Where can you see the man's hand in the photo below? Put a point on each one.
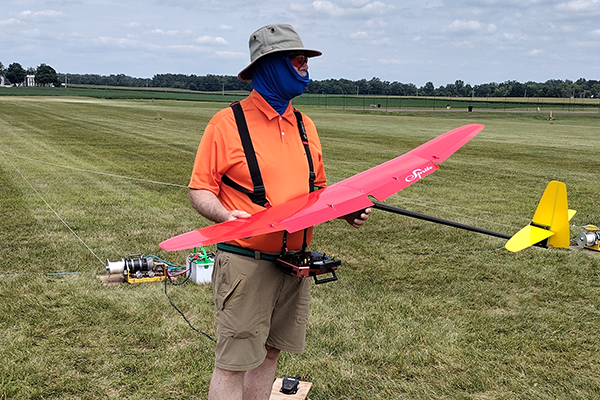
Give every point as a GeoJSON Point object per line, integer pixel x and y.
{"type": "Point", "coordinates": [235, 214]}
{"type": "Point", "coordinates": [209, 206]}
{"type": "Point", "coordinates": [358, 218]}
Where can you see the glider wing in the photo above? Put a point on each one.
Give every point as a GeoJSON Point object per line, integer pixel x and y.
{"type": "Point", "coordinates": [339, 199]}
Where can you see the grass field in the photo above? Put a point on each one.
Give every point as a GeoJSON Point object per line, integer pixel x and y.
{"type": "Point", "coordinates": [421, 311]}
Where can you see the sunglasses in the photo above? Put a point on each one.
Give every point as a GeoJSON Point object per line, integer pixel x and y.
{"type": "Point", "coordinates": [298, 60]}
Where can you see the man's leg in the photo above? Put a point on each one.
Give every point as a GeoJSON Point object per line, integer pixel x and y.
{"type": "Point", "coordinates": [259, 381]}
{"type": "Point", "coordinates": [255, 384]}
{"type": "Point", "coordinates": [226, 384]}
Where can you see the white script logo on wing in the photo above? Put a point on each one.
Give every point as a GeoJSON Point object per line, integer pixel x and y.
{"type": "Point", "coordinates": [417, 174]}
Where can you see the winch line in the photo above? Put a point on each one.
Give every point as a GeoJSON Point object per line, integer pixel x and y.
{"type": "Point", "coordinates": [94, 172]}
{"type": "Point", "coordinates": [427, 204]}
{"type": "Point", "coordinates": [55, 213]}
{"type": "Point", "coordinates": [436, 206]}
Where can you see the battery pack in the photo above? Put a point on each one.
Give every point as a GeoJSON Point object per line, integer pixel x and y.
{"type": "Point", "coordinates": [200, 268]}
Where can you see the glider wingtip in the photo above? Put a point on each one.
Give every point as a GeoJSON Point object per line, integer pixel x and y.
{"type": "Point", "coordinates": [168, 246]}
{"type": "Point", "coordinates": [477, 128]}
{"type": "Point", "coordinates": [187, 240]}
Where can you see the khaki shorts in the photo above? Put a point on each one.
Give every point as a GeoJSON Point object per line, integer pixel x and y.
{"type": "Point", "coordinates": [256, 305]}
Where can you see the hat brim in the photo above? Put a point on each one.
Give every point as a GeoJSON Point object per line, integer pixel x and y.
{"type": "Point", "coordinates": [246, 73]}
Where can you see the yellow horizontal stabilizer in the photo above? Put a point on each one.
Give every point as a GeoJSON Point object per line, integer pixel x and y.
{"type": "Point", "coordinates": [572, 214]}
{"type": "Point", "coordinates": [527, 237]}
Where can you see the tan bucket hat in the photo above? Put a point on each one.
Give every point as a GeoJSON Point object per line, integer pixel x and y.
{"type": "Point", "coordinates": [271, 39]}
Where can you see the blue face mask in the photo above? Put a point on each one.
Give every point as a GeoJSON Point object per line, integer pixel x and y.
{"type": "Point", "coordinates": [276, 79]}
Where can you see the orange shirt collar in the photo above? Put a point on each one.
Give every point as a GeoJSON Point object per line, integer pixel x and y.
{"type": "Point", "coordinates": [261, 104]}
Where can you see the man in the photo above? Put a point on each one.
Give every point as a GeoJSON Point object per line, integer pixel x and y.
{"type": "Point", "coordinates": [260, 310]}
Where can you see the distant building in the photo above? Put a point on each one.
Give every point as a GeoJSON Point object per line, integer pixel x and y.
{"type": "Point", "coordinates": [30, 80]}
{"type": "Point", "coordinates": [4, 81]}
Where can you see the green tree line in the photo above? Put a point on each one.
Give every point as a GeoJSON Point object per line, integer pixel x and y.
{"type": "Point", "coordinates": [44, 74]}
{"type": "Point", "coordinates": [581, 88]}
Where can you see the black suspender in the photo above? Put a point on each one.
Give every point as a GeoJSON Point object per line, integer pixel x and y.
{"type": "Point", "coordinates": [258, 194]}
{"type": "Point", "coordinates": [304, 137]}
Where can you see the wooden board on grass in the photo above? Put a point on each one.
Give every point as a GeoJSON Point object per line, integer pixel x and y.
{"type": "Point", "coordinates": [302, 394]}
{"type": "Point", "coordinates": [111, 280]}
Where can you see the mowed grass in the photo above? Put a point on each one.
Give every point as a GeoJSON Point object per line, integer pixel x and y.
{"type": "Point", "coordinates": [421, 311]}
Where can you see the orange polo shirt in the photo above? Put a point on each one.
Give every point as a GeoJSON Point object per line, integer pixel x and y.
{"type": "Point", "coordinates": [281, 159]}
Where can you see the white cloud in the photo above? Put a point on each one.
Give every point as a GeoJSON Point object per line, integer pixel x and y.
{"type": "Point", "coordinates": [379, 23]}
{"type": "Point", "coordinates": [359, 35]}
{"type": "Point", "coordinates": [118, 42]}
{"type": "Point", "coordinates": [231, 55]}
{"type": "Point", "coordinates": [167, 33]}
{"type": "Point", "coordinates": [211, 40]}
{"type": "Point", "coordinates": [381, 41]}
{"type": "Point", "coordinates": [373, 38]}
{"type": "Point", "coordinates": [513, 37]}
{"type": "Point", "coordinates": [376, 7]}
{"type": "Point", "coordinates": [400, 61]}
{"type": "Point", "coordinates": [10, 21]}
{"type": "Point", "coordinates": [299, 7]}
{"type": "Point", "coordinates": [32, 33]}
{"type": "Point", "coordinates": [464, 44]}
{"type": "Point", "coordinates": [31, 15]}
{"type": "Point", "coordinates": [45, 13]}
{"type": "Point", "coordinates": [469, 26]}
{"type": "Point", "coordinates": [463, 25]}
{"type": "Point", "coordinates": [328, 8]}
{"type": "Point", "coordinates": [580, 5]}
{"type": "Point", "coordinates": [333, 10]}
{"type": "Point", "coordinates": [188, 48]}
{"type": "Point", "coordinates": [535, 52]}
{"type": "Point", "coordinates": [356, 3]}
{"type": "Point", "coordinates": [393, 61]}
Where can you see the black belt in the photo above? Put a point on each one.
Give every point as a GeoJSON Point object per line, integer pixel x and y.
{"type": "Point", "coordinates": [242, 251]}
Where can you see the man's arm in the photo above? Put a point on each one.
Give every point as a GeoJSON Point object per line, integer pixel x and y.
{"type": "Point", "coordinates": [209, 206]}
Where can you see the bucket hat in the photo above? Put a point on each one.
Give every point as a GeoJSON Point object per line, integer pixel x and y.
{"type": "Point", "coordinates": [272, 39]}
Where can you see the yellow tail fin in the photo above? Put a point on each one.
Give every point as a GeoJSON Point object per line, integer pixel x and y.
{"type": "Point", "coordinates": [550, 221]}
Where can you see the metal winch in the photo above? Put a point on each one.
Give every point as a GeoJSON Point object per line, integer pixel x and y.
{"type": "Point", "coordinates": [589, 238]}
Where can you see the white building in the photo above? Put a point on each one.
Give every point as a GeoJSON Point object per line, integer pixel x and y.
{"type": "Point", "coordinates": [4, 81]}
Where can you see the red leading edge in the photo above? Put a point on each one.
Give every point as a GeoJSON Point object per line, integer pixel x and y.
{"type": "Point", "coordinates": [339, 199]}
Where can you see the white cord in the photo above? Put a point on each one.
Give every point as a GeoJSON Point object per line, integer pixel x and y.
{"type": "Point", "coordinates": [55, 213]}
{"type": "Point", "coordinates": [93, 172]}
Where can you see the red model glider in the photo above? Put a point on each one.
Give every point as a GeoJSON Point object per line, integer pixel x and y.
{"type": "Point", "coordinates": [339, 199]}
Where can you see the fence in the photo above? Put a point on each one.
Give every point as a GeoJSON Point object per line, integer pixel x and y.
{"type": "Point", "coordinates": [397, 103]}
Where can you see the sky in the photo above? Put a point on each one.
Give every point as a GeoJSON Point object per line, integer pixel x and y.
{"type": "Point", "coordinates": [409, 41]}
